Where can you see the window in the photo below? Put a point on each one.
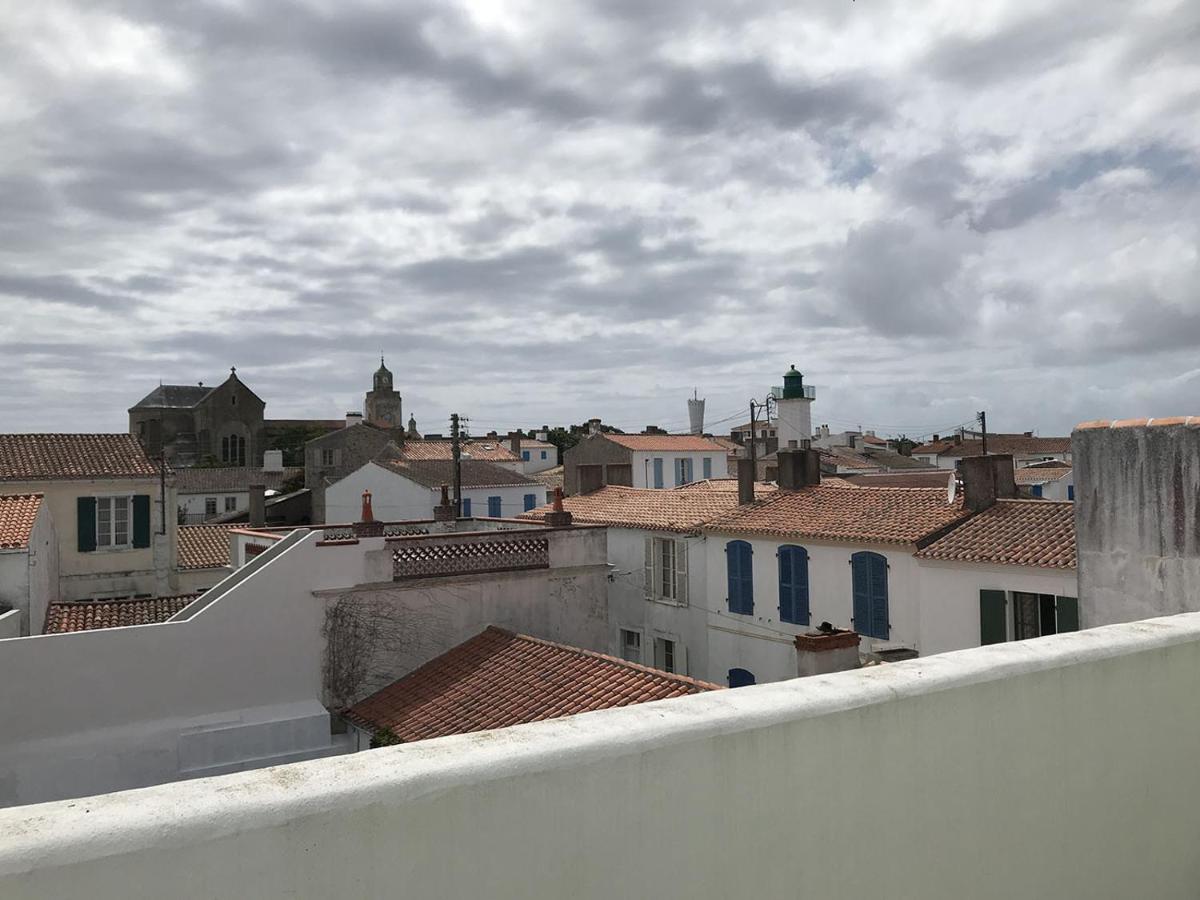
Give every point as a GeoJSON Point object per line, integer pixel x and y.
{"type": "Point", "coordinates": [631, 645]}
{"type": "Point", "coordinates": [494, 507]}
{"type": "Point", "coordinates": [1036, 490]}
{"type": "Point", "coordinates": [327, 457]}
{"type": "Point", "coordinates": [683, 470]}
{"type": "Point", "coordinates": [740, 575]}
{"type": "Point", "coordinates": [658, 472]}
{"type": "Point", "coordinates": [466, 507]}
{"type": "Point", "coordinates": [870, 589]}
{"type": "Point", "coordinates": [230, 504]}
{"type": "Point", "coordinates": [525, 455]}
{"type": "Point", "coordinates": [793, 585]}
{"type": "Point", "coordinates": [1035, 615]}
{"type": "Point", "coordinates": [707, 467]}
{"type": "Point", "coordinates": [530, 501]}
{"type": "Point", "coordinates": [210, 506]}
{"type": "Point", "coordinates": [666, 570]}
{"type": "Point", "coordinates": [543, 454]}
{"type": "Point", "coordinates": [1070, 492]}
{"type": "Point", "coordinates": [664, 655]}
{"type": "Point", "coordinates": [740, 678]}
{"type": "Point", "coordinates": [233, 450]}
{"type": "Point", "coordinates": [112, 522]}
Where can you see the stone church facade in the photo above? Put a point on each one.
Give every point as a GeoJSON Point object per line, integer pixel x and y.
{"type": "Point", "coordinates": [383, 406]}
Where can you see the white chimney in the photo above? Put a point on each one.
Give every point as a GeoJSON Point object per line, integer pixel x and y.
{"type": "Point", "coordinates": [542, 436]}
{"type": "Point", "coordinates": [272, 460]}
{"type": "Point", "coordinates": [353, 418]}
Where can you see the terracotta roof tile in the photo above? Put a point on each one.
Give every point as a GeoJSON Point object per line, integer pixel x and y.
{"type": "Point", "coordinates": [1041, 474]}
{"type": "Point", "coordinates": [924, 478]}
{"type": "Point", "coordinates": [997, 443]}
{"type": "Point", "coordinates": [204, 546]}
{"type": "Point", "coordinates": [726, 485]}
{"type": "Point", "coordinates": [46, 457]}
{"type": "Point", "coordinates": [679, 443]}
{"type": "Point", "coordinates": [834, 512]}
{"type": "Point", "coordinates": [231, 478]}
{"type": "Point", "coordinates": [89, 615]}
{"type": "Point", "coordinates": [475, 473]}
{"type": "Point", "coordinates": [488, 451]}
{"type": "Point", "coordinates": [18, 512]}
{"type": "Point", "coordinates": [655, 510]}
{"type": "Point", "coordinates": [1013, 532]}
{"type": "Point", "coordinates": [498, 679]}
{"type": "Point", "coordinates": [551, 478]}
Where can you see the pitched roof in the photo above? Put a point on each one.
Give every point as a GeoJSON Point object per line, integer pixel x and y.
{"type": "Point", "coordinates": [1041, 474]}
{"type": "Point", "coordinates": [48, 457]}
{"type": "Point", "coordinates": [18, 512]}
{"type": "Point", "coordinates": [531, 444]}
{"type": "Point", "coordinates": [499, 678]}
{"type": "Point", "coordinates": [926, 478]}
{"type": "Point", "coordinates": [475, 473]}
{"type": "Point", "coordinates": [486, 451]}
{"type": "Point", "coordinates": [677, 443]}
{"type": "Point", "coordinates": [88, 615]}
{"type": "Point", "coordinates": [726, 485]}
{"type": "Point", "coordinates": [845, 458]}
{"type": "Point", "coordinates": [231, 478]}
{"type": "Point", "coordinates": [1016, 444]}
{"type": "Point", "coordinates": [173, 396]}
{"type": "Point", "coordinates": [1013, 532]}
{"type": "Point", "coordinates": [204, 546]}
{"type": "Point", "coordinates": [551, 478]}
{"type": "Point", "coordinates": [654, 510]}
{"type": "Point", "coordinates": [839, 513]}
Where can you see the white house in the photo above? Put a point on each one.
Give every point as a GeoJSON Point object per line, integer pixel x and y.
{"type": "Point", "coordinates": [410, 489]}
{"type": "Point", "coordinates": [538, 455]}
{"type": "Point", "coordinates": [28, 563]}
{"type": "Point", "coordinates": [641, 461]}
{"type": "Point", "coordinates": [1052, 480]}
{"type": "Point", "coordinates": [1025, 449]}
{"type": "Point", "coordinates": [205, 493]}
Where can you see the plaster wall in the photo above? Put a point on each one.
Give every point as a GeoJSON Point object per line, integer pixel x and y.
{"type": "Point", "coordinates": [643, 466]}
{"type": "Point", "coordinates": [395, 498]}
{"type": "Point", "coordinates": [1015, 770]}
{"type": "Point", "coordinates": [14, 586]}
{"type": "Point", "coordinates": [193, 504]}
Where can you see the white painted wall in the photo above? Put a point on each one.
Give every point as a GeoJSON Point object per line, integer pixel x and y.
{"type": "Point", "coordinates": [29, 577]}
{"type": "Point", "coordinates": [396, 498]}
{"type": "Point", "coordinates": [1061, 767]}
{"type": "Point", "coordinates": [536, 463]}
{"type": "Point", "coordinates": [794, 421]}
{"type": "Point", "coordinates": [949, 597]}
{"type": "Point", "coordinates": [643, 466]}
{"type": "Point", "coordinates": [193, 504]}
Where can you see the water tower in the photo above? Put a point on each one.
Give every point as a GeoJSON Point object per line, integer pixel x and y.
{"type": "Point", "coordinates": [696, 413]}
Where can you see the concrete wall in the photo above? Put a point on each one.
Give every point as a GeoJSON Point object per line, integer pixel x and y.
{"type": "Point", "coordinates": [595, 449]}
{"type": "Point", "coordinates": [1061, 767]}
{"type": "Point", "coordinates": [29, 577]}
{"type": "Point", "coordinates": [106, 573]}
{"type": "Point", "coordinates": [1137, 508]}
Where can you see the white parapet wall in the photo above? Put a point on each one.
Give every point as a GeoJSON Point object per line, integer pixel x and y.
{"type": "Point", "coordinates": [1057, 767]}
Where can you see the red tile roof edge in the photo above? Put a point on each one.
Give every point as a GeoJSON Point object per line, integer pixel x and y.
{"type": "Point", "coordinates": [1191, 421]}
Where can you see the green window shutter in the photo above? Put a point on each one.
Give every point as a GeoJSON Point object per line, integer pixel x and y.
{"type": "Point", "coordinates": [993, 624]}
{"type": "Point", "coordinates": [86, 516]}
{"type": "Point", "coordinates": [141, 520]}
{"type": "Point", "coordinates": [1068, 614]}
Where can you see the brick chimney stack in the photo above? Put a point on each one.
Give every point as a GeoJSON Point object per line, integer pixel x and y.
{"type": "Point", "coordinates": [745, 476]}
{"type": "Point", "coordinates": [986, 479]}
{"type": "Point", "coordinates": [514, 443]}
{"type": "Point", "coordinates": [558, 517]}
{"type": "Point", "coordinates": [366, 526]}
{"type": "Point", "coordinates": [444, 511]}
{"type": "Point", "coordinates": [798, 468]}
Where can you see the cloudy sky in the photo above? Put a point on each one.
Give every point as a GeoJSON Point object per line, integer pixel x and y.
{"type": "Point", "coordinates": [542, 212]}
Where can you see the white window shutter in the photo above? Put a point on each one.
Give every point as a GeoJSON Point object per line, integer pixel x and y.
{"type": "Point", "coordinates": [649, 568]}
{"type": "Point", "coordinates": [681, 573]}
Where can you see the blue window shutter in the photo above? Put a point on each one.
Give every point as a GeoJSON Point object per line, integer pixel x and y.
{"type": "Point", "coordinates": [861, 577]}
{"type": "Point", "coordinates": [1036, 490]}
{"type": "Point", "coordinates": [141, 520]}
{"type": "Point", "coordinates": [658, 472]}
{"type": "Point", "coordinates": [466, 505]}
{"type": "Point", "coordinates": [85, 513]}
{"type": "Point", "coordinates": [740, 678]}
{"type": "Point", "coordinates": [793, 585]}
{"type": "Point", "coordinates": [543, 454]}
{"type": "Point", "coordinates": [525, 455]}
{"type": "Point", "coordinates": [740, 572]}
{"type": "Point", "coordinates": [494, 507]}
{"type": "Point", "coordinates": [530, 502]}
{"type": "Point", "coordinates": [879, 597]}
{"type": "Point", "coordinates": [1070, 492]}
{"type": "Point", "coordinates": [707, 464]}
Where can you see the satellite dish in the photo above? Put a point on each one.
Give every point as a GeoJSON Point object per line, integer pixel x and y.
{"type": "Point", "coordinates": [951, 489]}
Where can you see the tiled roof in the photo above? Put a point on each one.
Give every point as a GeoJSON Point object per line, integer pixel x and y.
{"type": "Point", "coordinates": [837, 513]}
{"type": "Point", "coordinates": [1041, 474]}
{"type": "Point", "coordinates": [17, 515]}
{"type": "Point", "coordinates": [923, 478]}
{"type": "Point", "coordinates": [237, 479]}
{"type": "Point", "coordinates": [676, 443]}
{"type": "Point", "coordinates": [1139, 423]}
{"type": "Point", "coordinates": [727, 485]}
{"type": "Point", "coordinates": [551, 478]}
{"type": "Point", "coordinates": [1013, 532]}
{"type": "Point", "coordinates": [498, 679]}
{"type": "Point", "coordinates": [475, 473]}
{"type": "Point", "coordinates": [654, 510]}
{"type": "Point", "coordinates": [845, 458]}
{"type": "Point", "coordinates": [997, 443]}
{"type": "Point", "coordinates": [529, 444]}
{"type": "Point", "coordinates": [487, 451]}
{"type": "Point", "coordinates": [174, 396]}
{"type": "Point", "coordinates": [204, 546]}
{"type": "Point", "coordinates": [48, 457]}
{"type": "Point", "coordinates": [88, 615]}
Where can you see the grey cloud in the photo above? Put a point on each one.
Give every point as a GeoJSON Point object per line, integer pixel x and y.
{"type": "Point", "coordinates": [58, 289]}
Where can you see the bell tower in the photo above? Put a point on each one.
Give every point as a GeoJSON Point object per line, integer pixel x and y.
{"type": "Point", "coordinates": [383, 406]}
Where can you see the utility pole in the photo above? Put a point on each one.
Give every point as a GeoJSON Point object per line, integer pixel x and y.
{"type": "Point", "coordinates": [753, 442]}
{"type": "Point", "coordinates": [983, 430]}
{"type": "Point", "coordinates": [456, 454]}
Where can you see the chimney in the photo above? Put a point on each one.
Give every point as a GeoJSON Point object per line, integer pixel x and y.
{"type": "Point", "coordinates": [798, 468]}
{"type": "Point", "coordinates": [514, 443]}
{"type": "Point", "coordinates": [258, 505]}
{"type": "Point", "coordinates": [1029, 434]}
{"type": "Point", "coordinates": [353, 418]}
{"type": "Point", "coordinates": [493, 436]}
{"type": "Point", "coordinates": [745, 476]}
{"type": "Point", "coordinates": [366, 526]}
{"type": "Point", "coordinates": [986, 479]}
{"type": "Point", "coordinates": [544, 434]}
{"type": "Point", "coordinates": [826, 650]}
{"type": "Point", "coordinates": [593, 426]}
{"type": "Point", "coordinates": [272, 461]}
{"type": "Point", "coordinates": [444, 511]}
{"type": "Point", "coordinates": [936, 438]}
{"type": "Point", "coordinates": [852, 440]}
{"type": "Point", "coordinates": [558, 517]}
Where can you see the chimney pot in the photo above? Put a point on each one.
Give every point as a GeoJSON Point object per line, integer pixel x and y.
{"type": "Point", "coordinates": [258, 505]}
{"type": "Point", "coordinates": [444, 511]}
{"type": "Point", "coordinates": [798, 469]}
{"type": "Point", "coordinates": [746, 478]}
{"type": "Point", "coordinates": [986, 479]}
{"type": "Point", "coordinates": [514, 443]}
{"type": "Point", "coordinates": [353, 418]}
{"type": "Point", "coordinates": [558, 517]}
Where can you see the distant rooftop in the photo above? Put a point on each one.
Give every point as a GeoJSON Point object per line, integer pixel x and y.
{"type": "Point", "coordinates": [474, 472]}
{"type": "Point", "coordinates": [231, 478]}
{"type": "Point", "coordinates": [647, 508]}
{"type": "Point", "coordinates": [52, 457]}
{"type": "Point", "coordinates": [174, 396]}
{"type": "Point", "coordinates": [499, 678]}
{"type": "Point", "coordinates": [996, 443]}
{"type": "Point", "coordinates": [680, 443]}
{"type": "Point", "coordinates": [89, 615]}
{"type": "Point", "coordinates": [204, 546]}
{"type": "Point", "coordinates": [17, 515]}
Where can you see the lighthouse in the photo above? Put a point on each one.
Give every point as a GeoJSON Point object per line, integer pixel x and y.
{"type": "Point", "coordinates": [793, 407]}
